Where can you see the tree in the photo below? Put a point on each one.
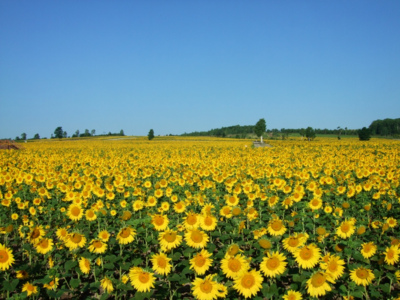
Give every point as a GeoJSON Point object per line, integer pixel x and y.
{"type": "Point", "coordinates": [77, 133]}
{"type": "Point", "coordinates": [64, 134]}
{"type": "Point", "coordinates": [310, 133]}
{"type": "Point", "coordinates": [58, 132]}
{"type": "Point", "coordinates": [260, 128]}
{"type": "Point", "coordinates": [23, 136]}
{"type": "Point", "coordinates": [36, 136]}
{"type": "Point", "coordinates": [93, 132]}
{"type": "Point", "coordinates": [364, 134]}
{"type": "Point", "coordinates": [122, 132]}
{"type": "Point", "coordinates": [151, 134]}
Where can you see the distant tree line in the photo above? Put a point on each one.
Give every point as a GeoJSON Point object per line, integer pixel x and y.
{"type": "Point", "coordinates": [59, 133]}
{"type": "Point", "coordinates": [386, 127]}
{"type": "Point", "coordinates": [239, 131]}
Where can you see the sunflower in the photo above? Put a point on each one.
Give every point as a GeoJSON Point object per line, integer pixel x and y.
{"type": "Point", "coordinates": [226, 212]}
{"type": "Point", "coordinates": [52, 285]}
{"type": "Point", "coordinates": [196, 238]}
{"type": "Point", "coordinates": [293, 242]}
{"type": "Point", "coordinates": [307, 256]}
{"type": "Point", "coordinates": [249, 283]}
{"type": "Point", "coordinates": [6, 257]}
{"type": "Point", "coordinates": [75, 212]}
{"type": "Point", "coordinates": [22, 274]}
{"type": "Point", "coordinates": [180, 207]}
{"type": "Point", "coordinates": [391, 222]}
{"type": "Point", "coordinates": [138, 205]}
{"type": "Point", "coordinates": [318, 284]}
{"type": "Point", "coordinates": [30, 289]}
{"type": "Point", "coordinates": [392, 255]}
{"type": "Point", "coordinates": [97, 246]}
{"type": "Point", "coordinates": [334, 267]}
{"type": "Point", "coordinates": [169, 239]}
{"type": "Point", "coordinates": [36, 234]}
{"type": "Point", "coordinates": [84, 265]}
{"type": "Point", "coordinates": [273, 265]}
{"type": "Point", "coordinates": [192, 220]}
{"type": "Point", "coordinates": [90, 215]}
{"type": "Point", "coordinates": [106, 284]}
{"type": "Point", "coordinates": [208, 222]}
{"type": "Point", "coordinates": [160, 222]}
{"type": "Point", "coordinates": [161, 264]}
{"type": "Point", "coordinates": [362, 276]}
{"type": "Point", "coordinates": [208, 289]}
{"type": "Point", "coordinates": [292, 295]}
{"type": "Point", "coordinates": [126, 235]}
{"type": "Point", "coordinates": [141, 280]}
{"type": "Point", "coordinates": [104, 235]}
{"type": "Point", "coordinates": [315, 203]}
{"type": "Point", "coordinates": [44, 245]}
{"type": "Point", "coordinates": [276, 227]}
{"type": "Point", "coordinates": [62, 233]}
{"type": "Point", "coordinates": [234, 266]}
{"type": "Point", "coordinates": [232, 200]}
{"type": "Point", "coordinates": [346, 229]}
{"type": "Point", "coordinates": [368, 249]}
{"type": "Point", "coordinates": [75, 240]}
{"type": "Point", "coordinates": [201, 262]}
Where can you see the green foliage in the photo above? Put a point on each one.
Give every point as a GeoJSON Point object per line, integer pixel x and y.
{"type": "Point", "coordinates": [364, 134]}
{"type": "Point", "coordinates": [386, 127]}
{"type": "Point", "coordinates": [310, 133]}
{"type": "Point", "coordinates": [151, 134]}
{"type": "Point", "coordinates": [36, 136]}
{"type": "Point", "coordinates": [58, 132]}
{"type": "Point", "coordinates": [260, 127]}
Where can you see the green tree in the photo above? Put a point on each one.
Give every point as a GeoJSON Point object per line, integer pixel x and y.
{"type": "Point", "coordinates": [151, 134]}
{"type": "Point", "coordinates": [58, 132]}
{"type": "Point", "coordinates": [23, 136]}
{"type": "Point", "coordinates": [260, 128]}
{"type": "Point", "coordinates": [310, 133]}
{"type": "Point", "coordinates": [122, 132]}
{"type": "Point", "coordinates": [364, 134]}
{"type": "Point", "coordinates": [36, 136]}
{"type": "Point", "coordinates": [93, 132]}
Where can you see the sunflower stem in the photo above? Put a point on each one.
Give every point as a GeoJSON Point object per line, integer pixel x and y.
{"type": "Point", "coordinates": [366, 293]}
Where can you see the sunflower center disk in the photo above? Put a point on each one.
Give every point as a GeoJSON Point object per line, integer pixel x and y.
{"type": "Point", "coordinates": [248, 281]}
{"type": "Point", "coordinates": [362, 274]}
{"type": "Point", "coordinates": [272, 263]}
{"type": "Point", "coordinates": [318, 280]}
{"type": "Point", "coordinates": [125, 233]}
{"type": "Point", "coordinates": [276, 225]}
{"type": "Point", "coordinates": [161, 262]}
{"type": "Point", "coordinates": [200, 261]}
{"type": "Point", "coordinates": [234, 265]}
{"type": "Point", "coordinates": [197, 237]}
{"type": "Point", "coordinates": [306, 253]}
{"type": "Point", "coordinates": [76, 238]}
{"type": "Point", "coordinates": [3, 256]}
{"type": "Point", "coordinates": [97, 244]}
{"type": "Point", "coordinates": [345, 227]}
{"type": "Point", "coordinates": [206, 287]}
{"type": "Point", "coordinates": [170, 237]}
{"type": "Point", "coordinates": [144, 277]}
{"type": "Point", "coordinates": [75, 211]}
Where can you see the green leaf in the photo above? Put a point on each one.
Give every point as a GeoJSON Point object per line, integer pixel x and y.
{"type": "Point", "coordinates": [357, 294]}
{"type": "Point", "coordinates": [175, 277]}
{"type": "Point", "coordinates": [75, 282]}
{"type": "Point", "coordinates": [137, 261]}
{"type": "Point", "coordinates": [142, 296]}
{"type": "Point", "coordinates": [188, 251]}
{"type": "Point", "coordinates": [69, 265]}
{"type": "Point", "coordinates": [343, 288]}
{"type": "Point", "coordinates": [385, 287]}
{"type": "Point", "coordinates": [109, 266]}
{"type": "Point", "coordinates": [111, 258]}
{"type": "Point", "coordinates": [176, 256]}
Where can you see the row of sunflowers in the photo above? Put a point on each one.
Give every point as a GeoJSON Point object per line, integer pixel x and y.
{"type": "Point", "coordinates": [184, 218]}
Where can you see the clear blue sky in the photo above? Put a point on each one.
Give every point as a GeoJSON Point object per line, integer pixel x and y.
{"type": "Point", "coordinates": [183, 66]}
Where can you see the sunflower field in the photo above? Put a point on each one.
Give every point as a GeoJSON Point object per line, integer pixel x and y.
{"type": "Point", "coordinates": [200, 218]}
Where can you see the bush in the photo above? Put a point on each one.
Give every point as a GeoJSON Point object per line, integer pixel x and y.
{"type": "Point", "coordinates": [364, 134]}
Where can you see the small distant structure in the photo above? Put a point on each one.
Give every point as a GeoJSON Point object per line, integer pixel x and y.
{"type": "Point", "coordinates": [7, 144]}
{"type": "Point", "coordinates": [258, 144]}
